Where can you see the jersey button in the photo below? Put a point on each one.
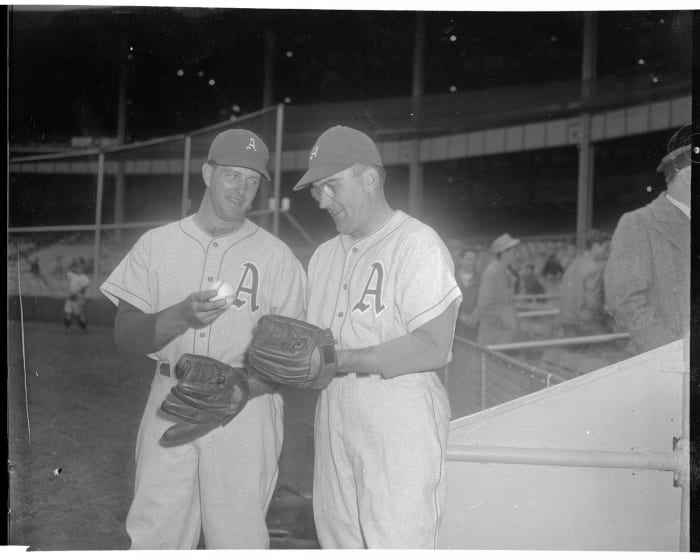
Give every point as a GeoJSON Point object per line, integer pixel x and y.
{"type": "Point", "coordinates": [210, 278]}
{"type": "Point", "coordinates": [345, 286]}
{"type": "Point", "coordinates": [341, 314]}
{"type": "Point", "coordinates": [202, 334]}
{"type": "Point", "coordinates": [354, 249]}
{"type": "Point", "coordinates": [215, 244]}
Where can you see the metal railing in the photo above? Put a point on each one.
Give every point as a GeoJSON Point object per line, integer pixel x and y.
{"type": "Point", "coordinates": [549, 343]}
{"type": "Point", "coordinates": [478, 377]}
{"type": "Point", "coordinates": [146, 153]}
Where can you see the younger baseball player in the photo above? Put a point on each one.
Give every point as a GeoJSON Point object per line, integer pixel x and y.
{"type": "Point", "coordinates": [385, 286]}
{"type": "Point", "coordinates": [222, 482]}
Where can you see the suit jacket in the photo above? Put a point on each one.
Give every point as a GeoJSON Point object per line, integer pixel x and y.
{"type": "Point", "coordinates": [647, 277]}
{"type": "Point", "coordinates": [498, 318]}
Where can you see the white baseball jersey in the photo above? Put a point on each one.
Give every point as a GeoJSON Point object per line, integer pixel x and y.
{"type": "Point", "coordinates": [221, 482]}
{"type": "Point", "coordinates": [383, 286]}
{"type": "Point", "coordinates": [379, 444]}
{"type": "Point", "coordinates": [170, 262]}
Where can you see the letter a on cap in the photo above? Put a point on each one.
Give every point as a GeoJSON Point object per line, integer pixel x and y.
{"type": "Point", "coordinates": [314, 152]}
{"type": "Point", "coordinates": [251, 145]}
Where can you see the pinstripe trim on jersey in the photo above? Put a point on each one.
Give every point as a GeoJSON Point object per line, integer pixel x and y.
{"type": "Point", "coordinates": [188, 234]}
{"type": "Point", "coordinates": [438, 304]}
{"type": "Point", "coordinates": [440, 468]}
{"type": "Point", "coordinates": [118, 289]}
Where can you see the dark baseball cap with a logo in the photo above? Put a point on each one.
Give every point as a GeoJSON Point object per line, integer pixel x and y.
{"type": "Point", "coordinates": [337, 149]}
{"type": "Point", "coordinates": [241, 148]}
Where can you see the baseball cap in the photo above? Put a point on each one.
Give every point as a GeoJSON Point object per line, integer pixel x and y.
{"type": "Point", "coordinates": [678, 149]}
{"type": "Point", "coordinates": [241, 148]}
{"type": "Point", "coordinates": [503, 243]}
{"type": "Point", "coordinates": [337, 149]}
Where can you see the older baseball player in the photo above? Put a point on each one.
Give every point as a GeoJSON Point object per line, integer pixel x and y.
{"type": "Point", "coordinates": [221, 482]}
{"type": "Point", "coordinates": [385, 286]}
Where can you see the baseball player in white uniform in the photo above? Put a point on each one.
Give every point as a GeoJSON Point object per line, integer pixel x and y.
{"type": "Point", "coordinates": [222, 482]}
{"type": "Point", "coordinates": [78, 283]}
{"type": "Point", "coordinates": [385, 286]}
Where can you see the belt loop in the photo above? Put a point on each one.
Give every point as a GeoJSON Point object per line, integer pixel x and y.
{"type": "Point", "coordinates": [164, 369]}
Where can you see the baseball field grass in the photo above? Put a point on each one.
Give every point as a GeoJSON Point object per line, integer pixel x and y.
{"type": "Point", "coordinates": [74, 406]}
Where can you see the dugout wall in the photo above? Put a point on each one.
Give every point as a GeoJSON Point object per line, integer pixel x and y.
{"type": "Point", "coordinates": [599, 462]}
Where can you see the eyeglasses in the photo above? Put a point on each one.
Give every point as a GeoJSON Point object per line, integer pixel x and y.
{"type": "Point", "coordinates": [317, 192]}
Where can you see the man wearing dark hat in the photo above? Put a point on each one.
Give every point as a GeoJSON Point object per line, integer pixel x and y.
{"type": "Point", "coordinates": [222, 482]}
{"type": "Point", "coordinates": [385, 286]}
{"type": "Point", "coordinates": [647, 277]}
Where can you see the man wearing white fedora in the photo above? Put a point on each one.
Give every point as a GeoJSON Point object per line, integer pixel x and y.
{"type": "Point", "coordinates": [495, 308]}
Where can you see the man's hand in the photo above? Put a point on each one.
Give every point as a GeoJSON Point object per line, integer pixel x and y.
{"type": "Point", "coordinates": [197, 311]}
{"type": "Point", "coordinates": [194, 312]}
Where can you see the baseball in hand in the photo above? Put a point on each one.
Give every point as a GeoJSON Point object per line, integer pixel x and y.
{"type": "Point", "coordinates": [224, 291]}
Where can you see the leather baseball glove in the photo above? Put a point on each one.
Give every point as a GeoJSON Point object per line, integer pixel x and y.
{"type": "Point", "coordinates": [292, 352]}
{"type": "Point", "coordinates": [209, 394]}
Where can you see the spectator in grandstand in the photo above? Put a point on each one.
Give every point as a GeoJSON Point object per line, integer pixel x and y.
{"type": "Point", "coordinates": [468, 280]}
{"type": "Point", "coordinates": [495, 308]}
{"type": "Point", "coordinates": [552, 269]}
{"type": "Point", "coordinates": [647, 277]}
{"type": "Point", "coordinates": [74, 306]}
{"type": "Point", "coordinates": [566, 255]}
{"type": "Point", "coordinates": [581, 299]}
{"type": "Point", "coordinates": [531, 284]}
{"type": "Point", "coordinates": [514, 270]}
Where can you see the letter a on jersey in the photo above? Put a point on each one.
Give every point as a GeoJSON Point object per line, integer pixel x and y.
{"type": "Point", "coordinates": [248, 285]}
{"type": "Point", "coordinates": [373, 289]}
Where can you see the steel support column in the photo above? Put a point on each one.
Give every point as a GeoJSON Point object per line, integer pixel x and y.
{"type": "Point", "coordinates": [98, 221]}
{"type": "Point", "coordinates": [586, 154]}
{"type": "Point", "coordinates": [186, 162]}
{"type": "Point", "coordinates": [415, 167]}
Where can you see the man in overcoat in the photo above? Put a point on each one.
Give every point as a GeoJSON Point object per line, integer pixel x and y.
{"type": "Point", "coordinates": [495, 307]}
{"type": "Point", "coordinates": [647, 277]}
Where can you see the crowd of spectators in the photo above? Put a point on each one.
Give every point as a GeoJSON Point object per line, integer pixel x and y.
{"type": "Point", "coordinates": [635, 281]}
{"type": "Point", "coordinates": [550, 268]}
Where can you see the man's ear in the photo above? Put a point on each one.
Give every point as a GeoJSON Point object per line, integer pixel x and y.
{"type": "Point", "coordinates": [371, 179]}
{"type": "Point", "coordinates": [207, 171]}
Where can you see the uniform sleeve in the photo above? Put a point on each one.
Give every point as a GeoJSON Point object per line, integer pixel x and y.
{"type": "Point", "coordinates": [288, 289]}
{"type": "Point", "coordinates": [426, 348]}
{"type": "Point", "coordinates": [426, 282]}
{"type": "Point", "coordinates": [129, 280]}
{"type": "Point", "coordinates": [627, 280]}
